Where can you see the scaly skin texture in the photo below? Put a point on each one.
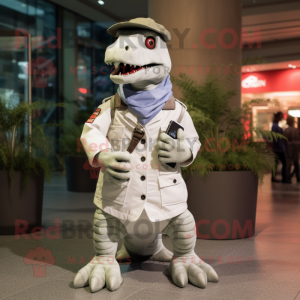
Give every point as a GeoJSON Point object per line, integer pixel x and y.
{"type": "Point", "coordinates": [103, 269]}
{"type": "Point", "coordinates": [186, 265]}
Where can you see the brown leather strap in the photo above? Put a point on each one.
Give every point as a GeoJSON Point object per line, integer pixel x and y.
{"type": "Point", "coordinates": [136, 137]}
{"type": "Point", "coordinates": [170, 104]}
{"type": "Point", "coordinates": [112, 107]}
{"type": "Point", "coordinates": [183, 109]}
{"type": "Point", "coordinates": [138, 134]}
{"type": "Point", "coordinates": [118, 103]}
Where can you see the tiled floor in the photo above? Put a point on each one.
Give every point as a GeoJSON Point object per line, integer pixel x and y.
{"type": "Point", "coordinates": [264, 267]}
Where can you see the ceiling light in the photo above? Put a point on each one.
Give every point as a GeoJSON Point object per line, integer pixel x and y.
{"type": "Point", "coordinates": [101, 2]}
{"type": "Point", "coordinates": [292, 66]}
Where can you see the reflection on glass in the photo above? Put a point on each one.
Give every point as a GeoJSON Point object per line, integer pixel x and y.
{"type": "Point", "coordinates": [38, 18]}
{"type": "Point", "coordinates": [84, 27]}
{"type": "Point", "coordinates": [13, 80]}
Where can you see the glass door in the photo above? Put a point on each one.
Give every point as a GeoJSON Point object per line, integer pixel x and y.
{"type": "Point", "coordinates": [15, 79]}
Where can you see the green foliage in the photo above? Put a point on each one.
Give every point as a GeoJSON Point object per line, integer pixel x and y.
{"type": "Point", "coordinates": [254, 61]}
{"type": "Point", "coordinates": [72, 129]}
{"type": "Point", "coordinates": [225, 144]}
{"type": "Point", "coordinates": [69, 139]}
{"type": "Point", "coordinates": [15, 142]}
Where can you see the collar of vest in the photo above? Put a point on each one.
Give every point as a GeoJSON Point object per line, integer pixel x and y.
{"type": "Point", "coordinates": [169, 105]}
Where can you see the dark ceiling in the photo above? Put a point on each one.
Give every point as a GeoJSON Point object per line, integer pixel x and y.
{"type": "Point", "coordinates": [125, 9]}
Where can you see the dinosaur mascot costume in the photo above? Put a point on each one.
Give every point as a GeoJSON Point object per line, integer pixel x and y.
{"type": "Point", "coordinates": [139, 195]}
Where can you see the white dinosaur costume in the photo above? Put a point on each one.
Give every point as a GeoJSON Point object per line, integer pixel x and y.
{"type": "Point", "coordinates": [138, 195]}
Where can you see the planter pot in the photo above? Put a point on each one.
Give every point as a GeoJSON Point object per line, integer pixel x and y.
{"type": "Point", "coordinates": [223, 204]}
{"type": "Point", "coordinates": [81, 177]}
{"type": "Point", "coordinates": [18, 204]}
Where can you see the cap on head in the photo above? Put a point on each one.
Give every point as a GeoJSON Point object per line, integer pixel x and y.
{"type": "Point", "coordinates": [145, 23]}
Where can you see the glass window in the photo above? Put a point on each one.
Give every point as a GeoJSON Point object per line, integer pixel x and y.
{"type": "Point", "coordinates": [37, 18]}
{"type": "Point", "coordinates": [84, 27]}
{"type": "Point", "coordinates": [103, 86]}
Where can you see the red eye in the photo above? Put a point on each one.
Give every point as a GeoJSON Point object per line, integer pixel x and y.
{"type": "Point", "coordinates": [150, 43]}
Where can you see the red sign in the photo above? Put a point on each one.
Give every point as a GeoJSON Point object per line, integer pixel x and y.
{"type": "Point", "coordinates": [271, 81]}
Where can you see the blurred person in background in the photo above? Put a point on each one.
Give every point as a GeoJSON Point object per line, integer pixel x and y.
{"type": "Point", "coordinates": [279, 149]}
{"type": "Point", "coordinates": [293, 143]}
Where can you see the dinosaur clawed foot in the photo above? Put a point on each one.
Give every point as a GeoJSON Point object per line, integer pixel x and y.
{"type": "Point", "coordinates": [100, 271]}
{"type": "Point", "coordinates": [190, 268]}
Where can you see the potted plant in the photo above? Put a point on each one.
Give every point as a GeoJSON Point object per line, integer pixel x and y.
{"type": "Point", "coordinates": [23, 167]}
{"type": "Point", "coordinates": [81, 177]}
{"type": "Point", "coordinates": [223, 180]}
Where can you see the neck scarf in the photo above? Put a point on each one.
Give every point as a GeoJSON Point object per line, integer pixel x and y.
{"type": "Point", "coordinates": [146, 104]}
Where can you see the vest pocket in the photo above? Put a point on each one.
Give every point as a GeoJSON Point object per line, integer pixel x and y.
{"type": "Point", "coordinates": [114, 192]}
{"type": "Point", "coordinates": [172, 189]}
{"type": "Point", "coordinates": [115, 135]}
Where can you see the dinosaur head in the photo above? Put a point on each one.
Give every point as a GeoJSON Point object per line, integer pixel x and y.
{"type": "Point", "coordinates": [139, 53]}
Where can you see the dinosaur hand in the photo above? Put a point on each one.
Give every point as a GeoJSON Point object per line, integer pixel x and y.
{"type": "Point", "coordinates": [116, 165]}
{"type": "Point", "coordinates": [173, 150]}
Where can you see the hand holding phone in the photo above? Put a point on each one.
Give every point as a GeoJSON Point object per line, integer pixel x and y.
{"type": "Point", "coordinates": [172, 132]}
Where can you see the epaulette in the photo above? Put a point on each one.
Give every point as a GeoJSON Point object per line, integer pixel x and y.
{"type": "Point", "coordinates": [106, 99]}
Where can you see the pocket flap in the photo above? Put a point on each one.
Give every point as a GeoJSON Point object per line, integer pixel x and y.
{"type": "Point", "coordinates": [115, 131]}
{"type": "Point", "coordinates": [169, 180]}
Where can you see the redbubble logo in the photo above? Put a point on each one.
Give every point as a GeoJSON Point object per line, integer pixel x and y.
{"type": "Point", "coordinates": [41, 69]}
{"type": "Point", "coordinates": [39, 258]}
{"type": "Point", "coordinates": [253, 82]}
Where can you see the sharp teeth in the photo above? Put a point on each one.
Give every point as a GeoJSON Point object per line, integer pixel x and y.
{"type": "Point", "coordinates": [125, 65]}
{"type": "Point", "coordinates": [134, 66]}
{"type": "Point", "coordinates": [120, 73]}
{"type": "Point", "coordinates": [117, 63]}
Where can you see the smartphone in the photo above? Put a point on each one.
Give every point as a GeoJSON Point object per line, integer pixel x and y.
{"type": "Point", "coordinates": [172, 132]}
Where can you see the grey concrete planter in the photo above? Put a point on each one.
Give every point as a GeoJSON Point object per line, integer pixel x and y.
{"type": "Point", "coordinates": [19, 204]}
{"type": "Point", "coordinates": [223, 204]}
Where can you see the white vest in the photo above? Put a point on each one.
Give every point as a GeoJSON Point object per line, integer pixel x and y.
{"type": "Point", "coordinates": [162, 193]}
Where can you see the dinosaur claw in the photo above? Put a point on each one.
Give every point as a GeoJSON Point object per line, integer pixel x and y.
{"type": "Point", "coordinates": [181, 280]}
{"type": "Point", "coordinates": [78, 281]}
{"type": "Point", "coordinates": [212, 276]}
{"type": "Point", "coordinates": [96, 284]}
{"type": "Point", "coordinates": [113, 283]}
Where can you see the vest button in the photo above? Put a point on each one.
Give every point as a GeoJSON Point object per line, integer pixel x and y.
{"type": "Point", "coordinates": [143, 178]}
{"type": "Point", "coordinates": [143, 158]}
{"type": "Point", "coordinates": [143, 141]}
{"type": "Point", "coordinates": [174, 180]}
{"type": "Point", "coordinates": [143, 197]}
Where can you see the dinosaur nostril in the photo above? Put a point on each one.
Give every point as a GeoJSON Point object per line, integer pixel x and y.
{"type": "Point", "coordinates": [127, 48]}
